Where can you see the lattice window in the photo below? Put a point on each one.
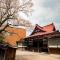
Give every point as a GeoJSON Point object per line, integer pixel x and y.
{"type": "Point", "coordinates": [45, 41]}
{"type": "Point", "coordinates": [59, 43]}
{"type": "Point", "coordinates": [30, 42]}
{"type": "Point", "coordinates": [54, 43]}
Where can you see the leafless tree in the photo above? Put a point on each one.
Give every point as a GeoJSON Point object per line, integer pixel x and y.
{"type": "Point", "coordinates": [9, 9]}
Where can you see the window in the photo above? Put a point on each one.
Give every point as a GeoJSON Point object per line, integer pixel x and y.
{"type": "Point", "coordinates": [25, 43]}
{"type": "Point", "coordinates": [59, 43]}
{"type": "Point", "coordinates": [19, 44]}
{"type": "Point", "coordinates": [30, 42]}
{"type": "Point", "coordinates": [54, 43]}
{"type": "Point", "coordinates": [45, 41]}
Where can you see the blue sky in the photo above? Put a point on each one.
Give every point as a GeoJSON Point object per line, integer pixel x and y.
{"type": "Point", "coordinates": [45, 12]}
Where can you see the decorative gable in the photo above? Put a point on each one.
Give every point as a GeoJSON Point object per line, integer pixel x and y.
{"type": "Point", "coordinates": [37, 29]}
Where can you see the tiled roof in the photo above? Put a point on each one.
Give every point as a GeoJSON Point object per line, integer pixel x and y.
{"type": "Point", "coordinates": [43, 33]}
{"type": "Point", "coordinates": [49, 28]}
{"type": "Point", "coordinates": [50, 34]}
{"type": "Point", "coordinates": [37, 29]}
{"type": "Point", "coordinates": [40, 34]}
{"type": "Point", "coordinates": [43, 30]}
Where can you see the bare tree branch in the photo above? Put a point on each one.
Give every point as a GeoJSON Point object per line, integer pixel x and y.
{"type": "Point", "coordinates": [9, 9]}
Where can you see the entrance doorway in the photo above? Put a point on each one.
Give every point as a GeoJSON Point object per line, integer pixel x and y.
{"type": "Point", "coordinates": [45, 45]}
{"type": "Point", "coordinates": [40, 45]}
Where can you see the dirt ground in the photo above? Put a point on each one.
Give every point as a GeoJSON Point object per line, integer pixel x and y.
{"type": "Point", "coordinates": [26, 55]}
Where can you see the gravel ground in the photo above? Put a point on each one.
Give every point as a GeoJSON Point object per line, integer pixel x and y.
{"type": "Point", "coordinates": [26, 55]}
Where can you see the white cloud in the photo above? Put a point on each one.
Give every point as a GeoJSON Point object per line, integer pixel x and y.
{"type": "Point", "coordinates": [45, 12]}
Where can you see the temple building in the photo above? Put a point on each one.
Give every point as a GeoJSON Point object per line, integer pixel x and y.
{"type": "Point", "coordinates": [43, 39]}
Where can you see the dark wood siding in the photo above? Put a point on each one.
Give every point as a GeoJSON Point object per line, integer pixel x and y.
{"type": "Point", "coordinates": [54, 50]}
{"type": "Point", "coordinates": [10, 54]}
{"type": "Point", "coordinates": [7, 53]}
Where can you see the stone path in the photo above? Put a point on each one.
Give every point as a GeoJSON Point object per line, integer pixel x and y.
{"type": "Point", "coordinates": [26, 55]}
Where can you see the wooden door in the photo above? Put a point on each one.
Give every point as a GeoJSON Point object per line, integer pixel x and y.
{"type": "Point", "coordinates": [45, 45]}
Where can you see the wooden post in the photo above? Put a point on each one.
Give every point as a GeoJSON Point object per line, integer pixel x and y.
{"type": "Point", "coordinates": [48, 45]}
{"type": "Point", "coordinates": [0, 55]}
{"type": "Point", "coordinates": [4, 55]}
{"type": "Point", "coordinates": [38, 45]}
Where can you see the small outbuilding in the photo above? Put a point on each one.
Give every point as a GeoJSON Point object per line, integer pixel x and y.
{"type": "Point", "coordinates": [7, 52]}
{"type": "Point", "coordinates": [9, 46]}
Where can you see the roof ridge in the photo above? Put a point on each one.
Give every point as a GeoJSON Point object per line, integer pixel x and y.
{"type": "Point", "coordinates": [52, 24]}
{"type": "Point", "coordinates": [39, 26]}
{"type": "Point", "coordinates": [49, 25]}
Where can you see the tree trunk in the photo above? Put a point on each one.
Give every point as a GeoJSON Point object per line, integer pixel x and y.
{"type": "Point", "coordinates": [3, 27]}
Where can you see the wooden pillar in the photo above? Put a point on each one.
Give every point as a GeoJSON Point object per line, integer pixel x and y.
{"type": "Point", "coordinates": [32, 45]}
{"type": "Point", "coordinates": [48, 44]}
{"type": "Point", "coordinates": [14, 54]}
{"type": "Point", "coordinates": [38, 45]}
{"type": "Point", "coordinates": [5, 55]}
{"type": "Point", "coordinates": [0, 54]}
